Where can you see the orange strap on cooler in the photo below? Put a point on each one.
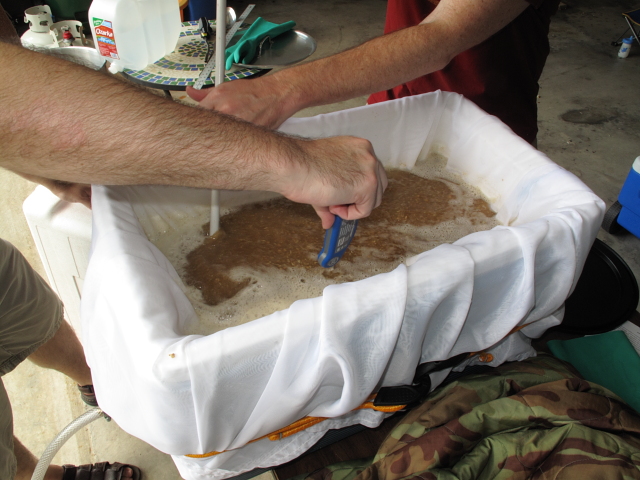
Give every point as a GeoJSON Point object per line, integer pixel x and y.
{"type": "Point", "coordinates": [387, 400]}
{"type": "Point", "coordinates": [305, 423]}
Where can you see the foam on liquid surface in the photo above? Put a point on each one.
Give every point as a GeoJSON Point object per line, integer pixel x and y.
{"type": "Point", "coordinates": [265, 257]}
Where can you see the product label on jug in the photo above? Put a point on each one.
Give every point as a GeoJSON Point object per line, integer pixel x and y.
{"type": "Point", "coordinates": [105, 39]}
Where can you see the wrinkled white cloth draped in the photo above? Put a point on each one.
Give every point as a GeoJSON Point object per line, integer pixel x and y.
{"type": "Point", "coordinates": [324, 356]}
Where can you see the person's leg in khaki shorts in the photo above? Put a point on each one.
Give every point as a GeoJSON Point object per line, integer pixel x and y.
{"type": "Point", "coordinates": [31, 326]}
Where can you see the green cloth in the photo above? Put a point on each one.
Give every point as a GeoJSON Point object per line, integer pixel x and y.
{"type": "Point", "coordinates": [608, 359]}
{"type": "Point", "coordinates": [245, 50]}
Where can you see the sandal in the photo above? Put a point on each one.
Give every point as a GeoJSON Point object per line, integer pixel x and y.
{"type": "Point", "coordinates": [88, 395]}
{"type": "Point", "coordinates": [98, 471]}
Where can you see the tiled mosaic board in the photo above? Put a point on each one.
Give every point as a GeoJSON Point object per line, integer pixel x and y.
{"type": "Point", "coordinates": [183, 66]}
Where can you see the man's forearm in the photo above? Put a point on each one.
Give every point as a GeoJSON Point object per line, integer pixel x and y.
{"type": "Point", "coordinates": [385, 62]}
{"type": "Point", "coordinates": [378, 64]}
{"type": "Point", "coordinates": [78, 125]}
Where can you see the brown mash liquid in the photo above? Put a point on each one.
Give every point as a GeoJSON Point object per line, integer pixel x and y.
{"type": "Point", "coordinates": [287, 236]}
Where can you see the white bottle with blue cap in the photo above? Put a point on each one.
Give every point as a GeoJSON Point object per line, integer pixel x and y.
{"type": "Point", "coordinates": [625, 47]}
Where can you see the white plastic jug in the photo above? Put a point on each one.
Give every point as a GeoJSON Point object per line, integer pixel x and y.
{"type": "Point", "coordinates": [170, 24]}
{"type": "Point", "coordinates": [134, 33]}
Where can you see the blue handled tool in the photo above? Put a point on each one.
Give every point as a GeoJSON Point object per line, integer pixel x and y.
{"type": "Point", "coordinates": [336, 240]}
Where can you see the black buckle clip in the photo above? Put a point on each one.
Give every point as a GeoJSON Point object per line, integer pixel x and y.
{"type": "Point", "coordinates": [408, 394]}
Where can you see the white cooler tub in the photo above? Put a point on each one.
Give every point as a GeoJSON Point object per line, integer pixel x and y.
{"type": "Point", "coordinates": [323, 357]}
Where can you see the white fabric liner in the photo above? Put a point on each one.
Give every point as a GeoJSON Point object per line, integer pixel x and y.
{"type": "Point", "coordinates": [323, 356]}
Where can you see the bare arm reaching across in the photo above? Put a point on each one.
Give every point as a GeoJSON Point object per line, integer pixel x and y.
{"type": "Point", "coordinates": [382, 63]}
{"type": "Point", "coordinates": [106, 132]}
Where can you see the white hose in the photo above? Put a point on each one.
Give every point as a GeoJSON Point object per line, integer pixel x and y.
{"type": "Point", "coordinates": [85, 419]}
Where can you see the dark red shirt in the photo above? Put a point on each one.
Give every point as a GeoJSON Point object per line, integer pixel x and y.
{"type": "Point", "coordinates": [500, 74]}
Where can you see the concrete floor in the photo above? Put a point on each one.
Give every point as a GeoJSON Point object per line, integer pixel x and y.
{"type": "Point", "coordinates": [589, 123]}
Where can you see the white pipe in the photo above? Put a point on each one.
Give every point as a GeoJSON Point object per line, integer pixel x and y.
{"type": "Point", "coordinates": [85, 419]}
{"type": "Point", "coordinates": [221, 44]}
{"type": "Point", "coordinates": [221, 41]}
{"type": "Point", "coordinates": [214, 224]}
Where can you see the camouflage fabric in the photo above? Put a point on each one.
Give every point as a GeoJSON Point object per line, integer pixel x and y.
{"type": "Point", "coordinates": [531, 419]}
